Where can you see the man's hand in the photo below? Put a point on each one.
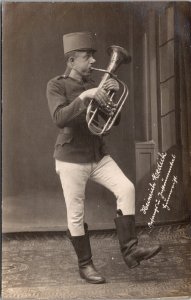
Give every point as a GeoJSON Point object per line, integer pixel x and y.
{"type": "Point", "coordinates": [101, 97]}
{"type": "Point", "coordinates": [98, 94]}
{"type": "Point", "coordinates": [111, 85]}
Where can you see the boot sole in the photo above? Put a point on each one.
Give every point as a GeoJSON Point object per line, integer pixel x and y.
{"type": "Point", "coordinates": [145, 258]}
{"type": "Point", "coordinates": [134, 266]}
{"type": "Point", "coordinates": [100, 281]}
{"type": "Point", "coordinates": [153, 254]}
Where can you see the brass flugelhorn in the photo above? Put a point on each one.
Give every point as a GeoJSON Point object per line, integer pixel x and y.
{"type": "Point", "coordinates": [100, 119]}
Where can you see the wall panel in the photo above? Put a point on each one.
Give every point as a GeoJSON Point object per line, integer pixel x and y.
{"type": "Point", "coordinates": [33, 54]}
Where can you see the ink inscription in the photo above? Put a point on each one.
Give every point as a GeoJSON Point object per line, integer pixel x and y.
{"type": "Point", "coordinates": [161, 187]}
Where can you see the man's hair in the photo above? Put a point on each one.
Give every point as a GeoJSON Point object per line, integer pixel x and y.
{"type": "Point", "coordinates": [66, 58]}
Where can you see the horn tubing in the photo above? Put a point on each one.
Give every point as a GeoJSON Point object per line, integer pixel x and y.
{"type": "Point", "coordinates": [118, 55]}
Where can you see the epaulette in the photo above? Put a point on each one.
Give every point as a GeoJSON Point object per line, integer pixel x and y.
{"type": "Point", "coordinates": [57, 79]}
{"type": "Point", "coordinates": [61, 77]}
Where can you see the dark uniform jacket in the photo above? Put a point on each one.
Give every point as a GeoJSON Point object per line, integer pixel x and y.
{"type": "Point", "coordinates": [75, 143]}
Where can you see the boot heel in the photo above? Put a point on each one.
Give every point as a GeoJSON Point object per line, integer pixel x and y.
{"type": "Point", "coordinates": [131, 262]}
{"type": "Point", "coordinates": [90, 274]}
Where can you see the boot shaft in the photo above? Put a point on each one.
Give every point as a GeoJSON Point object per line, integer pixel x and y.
{"type": "Point", "coordinates": [126, 231]}
{"type": "Point", "coordinates": [81, 246]}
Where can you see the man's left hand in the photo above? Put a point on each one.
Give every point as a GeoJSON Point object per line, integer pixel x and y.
{"type": "Point", "coordinates": [111, 85]}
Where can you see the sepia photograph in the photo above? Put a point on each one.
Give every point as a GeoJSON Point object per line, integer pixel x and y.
{"type": "Point", "coordinates": [96, 150]}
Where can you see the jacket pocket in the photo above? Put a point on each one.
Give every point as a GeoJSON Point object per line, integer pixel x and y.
{"type": "Point", "coordinates": [64, 138]}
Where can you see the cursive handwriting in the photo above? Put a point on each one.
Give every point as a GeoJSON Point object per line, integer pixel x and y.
{"type": "Point", "coordinates": [161, 193]}
{"type": "Point", "coordinates": [157, 172]}
{"type": "Point", "coordinates": [162, 200]}
{"type": "Point", "coordinates": [146, 206]}
{"type": "Point", "coordinates": [156, 210]}
{"type": "Point", "coordinates": [163, 187]}
{"type": "Point", "coordinates": [152, 185]}
{"type": "Point", "coordinates": [174, 181]}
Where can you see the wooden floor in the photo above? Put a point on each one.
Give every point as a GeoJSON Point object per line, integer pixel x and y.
{"type": "Point", "coordinates": [43, 266]}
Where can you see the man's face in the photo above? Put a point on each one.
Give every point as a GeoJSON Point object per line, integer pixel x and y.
{"type": "Point", "coordinates": [83, 62]}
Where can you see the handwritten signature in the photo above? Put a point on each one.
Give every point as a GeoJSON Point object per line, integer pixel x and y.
{"type": "Point", "coordinates": [160, 198]}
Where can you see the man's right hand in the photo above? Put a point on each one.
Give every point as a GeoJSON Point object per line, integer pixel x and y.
{"type": "Point", "coordinates": [98, 94]}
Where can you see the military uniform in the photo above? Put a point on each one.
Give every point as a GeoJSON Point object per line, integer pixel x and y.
{"type": "Point", "coordinates": [75, 143]}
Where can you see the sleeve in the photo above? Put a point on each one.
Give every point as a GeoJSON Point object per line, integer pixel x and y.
{"type": "Point", "coordinates": [62, 112]}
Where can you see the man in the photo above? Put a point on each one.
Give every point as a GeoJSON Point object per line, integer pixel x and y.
{"type": "Point", "coordinates": [80, 156]}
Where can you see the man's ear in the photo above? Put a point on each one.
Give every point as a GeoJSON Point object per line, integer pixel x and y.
{"type": "Point", "coordinates": [70, 61]}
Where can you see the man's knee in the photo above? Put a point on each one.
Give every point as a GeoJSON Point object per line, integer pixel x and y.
{"type": "Point", "coordinates": [126, 198]}
{"type": "Point", "coordinates": [76, 224]}
{"type": "Point", "coordinates": [76, 229]}
{"type": "Point", "coordinates": [127, 189]}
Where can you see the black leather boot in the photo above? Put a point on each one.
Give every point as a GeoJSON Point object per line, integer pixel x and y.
{"type": "Point", "coordinates": [132, 253]}
{"type": "Point", "coordinates": [82, 248]}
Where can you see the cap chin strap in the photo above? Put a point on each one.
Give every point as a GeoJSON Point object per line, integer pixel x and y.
{"type": "Point", "coordinates": [67, 71]}
{"type": "Point", "coordinates": [78, 72]}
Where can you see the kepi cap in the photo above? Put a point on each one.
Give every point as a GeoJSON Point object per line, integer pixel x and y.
{"type": "Point", "coordinates": [79, 41]}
